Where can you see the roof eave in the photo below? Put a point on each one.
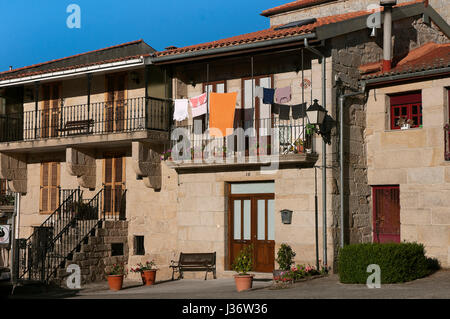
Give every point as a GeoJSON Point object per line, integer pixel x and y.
{"type": "Point", "coordinates": [229, 49]}
{"type": "Point", "coordinates": [383, 80]}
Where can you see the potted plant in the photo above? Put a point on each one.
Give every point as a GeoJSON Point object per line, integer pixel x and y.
{"type": "Point", "coordinates": [115, 277]}
{"type": "Point", "coordinates": [242, 265]}
{"type": "Point", "coordinates": [147, 271]}
{"type": "Point", "coordinates": [405, 123]}
{"type": "Point", "coordinates": [285, 258]}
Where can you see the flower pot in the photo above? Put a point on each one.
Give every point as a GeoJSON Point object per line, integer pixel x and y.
{"type": "Point", "coordinates": [148, 277]}
{"type": "Point", "coordinates": [115, 282]}
{"type": "Point", "coordinates": [243, 282]}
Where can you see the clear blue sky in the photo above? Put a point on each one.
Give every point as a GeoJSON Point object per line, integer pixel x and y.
{"type": "Point", "coordinates": [36, 31]}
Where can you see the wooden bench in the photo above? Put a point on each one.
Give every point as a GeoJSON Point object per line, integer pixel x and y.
{"type": "Point", "coordinates": [194, 262]}
{"type": "Point", "coordinates": [81, 127]}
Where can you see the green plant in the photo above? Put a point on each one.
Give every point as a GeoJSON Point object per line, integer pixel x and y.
{"type": "Point", "coordinates": [285, 257]}
{"type": "Point", "coordinates": [6, 200]}
{"type": "Point", "coordinates": [117, 270]}
{"type": "Point", "coordinates": [399, 262]}
{"type": "Point", "coordinates": [149, 265]}
{"type": "Point", "coordinates": [310, 129]}
{"type": "Point", "coordinates": [85, 211]}
{"type": "Point", "coordinates": [243, 263]}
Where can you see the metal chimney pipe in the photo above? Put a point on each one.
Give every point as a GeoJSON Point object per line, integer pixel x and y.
{"type": "Point", "coordinates": [387, 33]}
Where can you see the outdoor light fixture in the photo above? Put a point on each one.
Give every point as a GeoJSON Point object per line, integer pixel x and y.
{"type": "Point", "coordinates": [316, 113]}
{"type": "Point", "coordinates": [286, 216]}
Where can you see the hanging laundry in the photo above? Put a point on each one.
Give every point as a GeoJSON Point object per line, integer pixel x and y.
{"type": "Point", "coordinates": [222, 109]}
{"type": "Point", "coordinates": [199, 105]}
{"type": "Point", "coordinates": [275, 108]}
{"type": "Point", "coordinates": [283, 95]}
{"type": "Point", "coordinates": [259, 92]}
{"type": "Point", "coordinates": [181, 110]}
{"type": "Point", "coordinates": [285, 111]}
{"type": "Point", "coordinates": [268, 96]}
{"type": "Point", "coordinates": [298, 111]}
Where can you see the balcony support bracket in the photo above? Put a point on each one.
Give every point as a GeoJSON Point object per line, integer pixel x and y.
{"type": "Point", "coordinates": [13, 168]}
{"type": "Point", "coordinates": [147, 164]}
{"type": "Point", "coordinates": [83, 166]}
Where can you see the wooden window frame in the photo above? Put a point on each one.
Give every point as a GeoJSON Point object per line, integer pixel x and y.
{"type": "Point", "coordinates": [406, 101]}
{"type": "Point", "coordinates": [49, 210]}
{"type": "Point", "coordinates": [113, 177]}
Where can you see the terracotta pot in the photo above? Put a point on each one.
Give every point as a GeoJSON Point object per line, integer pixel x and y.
{"type": "Point", "coordinates": [115, 282]}
{"type": "Point", "coordinates": [243, 282]}
{"type": "Point", "coordinates": [148, 277]}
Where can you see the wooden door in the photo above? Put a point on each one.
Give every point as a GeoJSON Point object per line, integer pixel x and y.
{"type": "Point", "coordinates": [50, 182]}
{"type": "Point", "coordinates": [50, 122]}
{"type": "Point", "coordinates": [251, 220]}
{"type": "Point", "coordinates": [114, 184]}
{"type": "Point", "coordinates": [386, 214]}
{"type": "Point", "coordinates": [115, 102]}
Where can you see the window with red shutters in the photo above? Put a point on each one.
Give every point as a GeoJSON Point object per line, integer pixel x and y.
{"type": "Point", "coordinates": [407, 106]}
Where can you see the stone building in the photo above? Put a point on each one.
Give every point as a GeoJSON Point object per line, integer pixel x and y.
{"type": "Point", "coordinates": [99, 137]}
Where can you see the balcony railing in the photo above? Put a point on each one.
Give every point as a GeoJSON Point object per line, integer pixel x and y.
{"type": "Point", "coordinates": [131, 115]}
{"type": "Point", "coordinates": [270, 137]}
{"type": "Point", "coordinates": [447, 142]}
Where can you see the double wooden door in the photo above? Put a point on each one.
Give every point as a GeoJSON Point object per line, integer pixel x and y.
{"type": "Point", "coordinates": [114, 185]}
{"type": "Point", "coordinates": [252, 222]}
{"type": "Point", "coordinates": [50, 113]}
{"type": "Point", "coordinates": [115, 106]}
{"type": "Point", "coordinates": [386, 214]}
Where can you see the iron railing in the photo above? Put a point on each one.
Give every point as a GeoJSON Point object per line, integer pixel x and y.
{"type": "Point", "coordinates": [130, 115]}
{"type": "Point", "coordinates": [447, 142]}
{"type": "Point", "coordinates": [270, 137]}
{"type": "Point", "coordinates": [33, 251]}
{"type": "Point", "coordinates": [56, 240]}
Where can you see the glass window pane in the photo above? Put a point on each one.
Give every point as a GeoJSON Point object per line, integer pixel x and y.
{"type": "Point", "coordinates": [237, 220]}
{"type": "Point", "coordinates": [253, 188]}
{"type": "Point", "coordinates": [220, 88]}
{"type": "Point", "coordinates": [404, 111]}
{"type": "Point", "coordinates": [271, 220]}
{"type": "Point", "coordinates": [261, 219]}
{"type": "Point", "coordinates": [397, 111]}
{"type": "Point", "coordinates": [247, 220]}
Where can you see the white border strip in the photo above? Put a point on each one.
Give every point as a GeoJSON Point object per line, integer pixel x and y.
{"type": "Point", "coordinates": [68, 73]}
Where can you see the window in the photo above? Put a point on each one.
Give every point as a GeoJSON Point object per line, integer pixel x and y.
{"type": "Point", "coordinates": [139, 248]}
{"type": "Point", "coordinates": [404, 107]}
{"type": "Point", "coordinates": [117, 249]}
{"type": "Point", "coordinates": [50, 176]}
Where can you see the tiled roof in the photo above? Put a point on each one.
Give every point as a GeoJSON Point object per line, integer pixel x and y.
{"type": "Point", "coordinates": [293, 6]}
{"type": "Point", "coordinates": [272, 33]}
{"type": "Point", "coordinates": [431, 56]}
{"type": "Point", "coordinates": [116, 53]}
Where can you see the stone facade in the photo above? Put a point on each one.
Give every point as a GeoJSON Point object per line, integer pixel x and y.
{"type": "Point", "coordinates": [345, 6]}
{"type": "Point", "coordinates": [414, 160]}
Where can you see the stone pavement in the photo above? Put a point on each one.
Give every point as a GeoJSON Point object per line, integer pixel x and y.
{"type": "Point", "coordinates": [434, 286]}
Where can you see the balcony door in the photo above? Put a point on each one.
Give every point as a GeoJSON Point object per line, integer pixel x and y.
{"type": "Point", "coordinates": [50, 110]}
{"type": "Point", "coordinates": [115, 106]}
{"type": "Point", "coordinates": [251, 218]}
{"type": "Point", "coordinates": [114, 185]}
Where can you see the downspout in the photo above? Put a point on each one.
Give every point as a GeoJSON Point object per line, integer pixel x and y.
{"type": "Point", "coordinates": [324, 153]}
{"type": "Point", "coordinates": [387, 33]}
{"type": "Point", "coordinates": [342, 98]}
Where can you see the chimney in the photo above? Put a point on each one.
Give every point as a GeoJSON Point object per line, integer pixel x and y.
{"type": "Point", "coordinates": [10, 67]}
{"type": "Point", "coordinates": [387, 33]}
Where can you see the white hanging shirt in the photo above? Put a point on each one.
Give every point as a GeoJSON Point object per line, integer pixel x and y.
{"type": "Point", "coordinates": [181, 110]}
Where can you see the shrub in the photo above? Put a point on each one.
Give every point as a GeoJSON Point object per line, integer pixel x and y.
{"type": "Point", "coordinates": [399, 262]}
{"type": "Point", "coordinates": [285, 257]}
{"type": "Point", "coordinates": [244, 261]}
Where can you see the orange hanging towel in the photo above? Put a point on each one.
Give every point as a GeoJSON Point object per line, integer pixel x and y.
{"type": "Point", "coordinates": [221, 117]}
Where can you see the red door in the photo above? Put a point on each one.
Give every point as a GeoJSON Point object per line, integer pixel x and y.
{"type": "Point", "coordinates": [386, 214]}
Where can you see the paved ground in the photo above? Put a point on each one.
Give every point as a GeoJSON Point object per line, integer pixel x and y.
{"type": "Point", "coordinates": [434, 286]}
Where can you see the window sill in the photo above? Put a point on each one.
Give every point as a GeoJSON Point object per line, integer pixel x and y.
{"type": "Point", "coordinates": [405, 130]}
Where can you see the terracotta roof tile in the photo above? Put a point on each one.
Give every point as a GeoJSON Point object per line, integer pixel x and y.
{"type": "Point", "coordinates": [293, 6]}
{"type": "Point", "coordinates": [272, 33]}
{"type": "Point", "coordinates": [427, 57]}
{"type": "Point", "coordinates": [45, 67]}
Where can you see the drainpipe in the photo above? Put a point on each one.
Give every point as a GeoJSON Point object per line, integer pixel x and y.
{"type": "Point", "coordinates": [324, 153]}
{"type": "Point", "coordinates": [387, 33]}
{"type": "Point", "coordinates": [342, 98]}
